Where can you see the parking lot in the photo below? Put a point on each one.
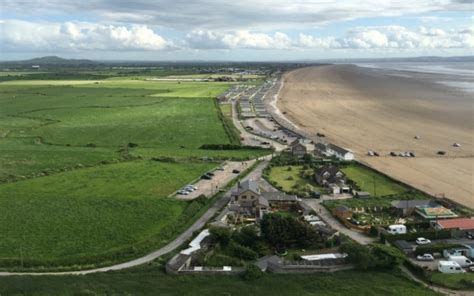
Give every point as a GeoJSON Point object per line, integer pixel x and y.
{"type": "Point", "coordinates": [219, 180]}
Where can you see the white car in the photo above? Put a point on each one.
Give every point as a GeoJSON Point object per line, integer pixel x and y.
{"type": "Point", "coordinates": [425, 257]}
{"type": "Point", "coordinates": [182, 192]}
{"type": "Point", "coordinates": [422, 241]}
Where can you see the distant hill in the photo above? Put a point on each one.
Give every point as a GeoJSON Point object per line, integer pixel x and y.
{"type": "Point", "coordinates": [54, 60]}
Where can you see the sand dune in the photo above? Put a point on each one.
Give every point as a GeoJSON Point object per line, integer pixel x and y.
{"type": "Point", "coordinates": [363, 109]}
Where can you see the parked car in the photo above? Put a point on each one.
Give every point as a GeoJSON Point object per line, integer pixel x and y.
{"type": "Point", "coordinates": [412, 154]}
{"type": "Point", "coordinates": [441, 152]}
{"type": "Point", "coordinates": [393, 154]}
{"type": "Point", "coordinates": [187, 189]}
{"type": "Point", "coordinates": [190, 187]}
{"type": "Point", "coordinates": [425, 257]}
{"type": "Point", "coordinates": [422, 241]}
{"type": "Point", "coordinates": [470, 234]}
{"type": "Point", "coordinates": [182, 192]}
{"type": "Point", "coordinates": [235, 171]}
{"type": "Point", "coordinates": [221, 168]}
{"type": "Point", "coordinates": [210, 174]}
{"type": "Point", "coordinates": [206, 177]}
{"type": "Point", "coordinates": [321, 135]}
{"type": "Point", "coordinates": [376, 153]}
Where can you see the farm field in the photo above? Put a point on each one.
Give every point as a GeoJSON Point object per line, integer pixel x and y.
{"type": "Point", "coordinates": [366, 178]}
{"type": "Point", "coordinates": [79, 183]}
{"type": "Point", "coordinates": [148, 280]}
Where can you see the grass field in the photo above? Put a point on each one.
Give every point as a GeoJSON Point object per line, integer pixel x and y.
{"type": "Point", "coordinates": [151, 281]}
{"type": "Point", "coordinates": [80, 196]}
{"type": "Point", "coordinates": [366, 178]}
{"type": "Point", "coordinates": [288, 179]}
{"type": "Point", "coordinates": [83, 214]}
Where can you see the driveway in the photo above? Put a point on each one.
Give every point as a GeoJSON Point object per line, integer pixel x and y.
{"type": "Point", "coordinates": [331, 221]}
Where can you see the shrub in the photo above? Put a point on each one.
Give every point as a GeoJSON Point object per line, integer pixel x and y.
{"type": "Point", "coordinates": [434, 248]}
{"type": "Point", "coordinates": [252, 272]}
{"type": "Point", "coordinates": [243, 252]}
{"type": "Point", "coordinates": [222, 234]}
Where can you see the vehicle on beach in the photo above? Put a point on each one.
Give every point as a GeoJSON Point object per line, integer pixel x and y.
{"type": "Point", "coordinates": [425, 257]}
{"type": "Point", "coordinates": [441, 152]}
{"type": "Point", "coordinates": [417, 137]}
{"type": "Point", "coordinates": [235, 171]}
{"type": "Point", "coordinates": [393, 154]}
{"type": "Point", "coordinates": [422, 241]}
{"type": "Point", "coordinates": [456, 145]}
{"type": "Point", "coordinates": [321, 135]}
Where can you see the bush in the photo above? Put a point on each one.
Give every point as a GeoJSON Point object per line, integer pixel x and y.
{"type": "Point", "coordinates": [252, 272]}
{"type": "Point", "coordinates": [431, 234]}
{"type": "Point", "coordinates": [243, 252]}
{"type": "Point", "coordinates": [222, 234]}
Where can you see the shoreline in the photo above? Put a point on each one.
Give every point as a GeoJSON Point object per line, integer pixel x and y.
{"type": "Point", "coordinates": [424, 172]}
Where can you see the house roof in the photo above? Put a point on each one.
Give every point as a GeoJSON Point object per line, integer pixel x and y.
{"type": "Point", "coordinates": [279, 196]}
{"type": "Point", "coordinates": [461, 223]}
{"type": "Point", "coordinates": [343, 209]}
{"type": "Point", "coordinates": [338, 149]}
{"type": "Point", "coordinates": [436, 212]}
{"type": "Point", "coordinates": [263, 201]}
{"type": "Point", "coordinates": [408, 204]}
{"type": "Point", "coordinates": [249, 185]}
{"type": "Point", "coordinates": [331, 169]}
{"type": "Point", "coordinates": [320, 146]}
{"type": "Point", "coordinates": [403, 245]}
{"type": "Point", "coordinates": [177, 261]}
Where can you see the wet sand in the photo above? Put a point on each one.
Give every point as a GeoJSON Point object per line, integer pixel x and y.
{"type": "Point", "coordinates": [365, 109]}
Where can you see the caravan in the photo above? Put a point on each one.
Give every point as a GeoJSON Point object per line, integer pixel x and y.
{"type": "Point", "coordinates": [397, 229]}
{"type": "Point", "coordinates": [450, 267]}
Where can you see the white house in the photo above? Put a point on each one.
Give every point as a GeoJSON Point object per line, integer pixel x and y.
{"type": "Point", "coordinates": [340, 153]}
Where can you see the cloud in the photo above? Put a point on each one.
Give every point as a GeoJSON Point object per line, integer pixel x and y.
{"type": "Point", "coordinates": [240, 39]}
{"type": "Point", "coordinates": [231, 15]}
{"type": "Point", "coordinates": [78, 36]}
{"type": "Point", "coordinates": [368, 38]}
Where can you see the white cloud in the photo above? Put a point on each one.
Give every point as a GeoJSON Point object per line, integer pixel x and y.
{"type": "Point", "coordinates": [78, 36]}
{"type": "Point", "coordinates": [200, 39]}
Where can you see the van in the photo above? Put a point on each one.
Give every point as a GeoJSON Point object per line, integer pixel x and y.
{"type": "Point", "coordinates": [397, 229]}
{"type": "Point", "coordinates": [463, 261]}
{"type": "Point", "coordinates": [449, 267]}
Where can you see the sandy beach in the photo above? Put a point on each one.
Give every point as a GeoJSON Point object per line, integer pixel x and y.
{"type": "Point", "coordinates": [365, 109]}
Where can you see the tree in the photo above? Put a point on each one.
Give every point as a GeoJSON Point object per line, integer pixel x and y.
{"type": "Point", "coordinates": [252, 272]}
{"type": "Point", "coordinates": [222, 234]}
{"type": "Point", "coordinates": [359, 255]}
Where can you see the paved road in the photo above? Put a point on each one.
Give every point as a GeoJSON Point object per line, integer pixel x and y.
{"type": "Point", "coordinates": [327, 217]}
{"type": "Point", "coordinates": [176, 243]}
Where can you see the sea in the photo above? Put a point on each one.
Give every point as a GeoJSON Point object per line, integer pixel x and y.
{"type": "Point", "coordinates": [457, 75]}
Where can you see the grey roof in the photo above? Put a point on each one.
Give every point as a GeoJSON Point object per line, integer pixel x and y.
{"type": "Point", "coordinates": [177, 261]}
{"type": "Point", "coordinates": [331, 169]}
{"type": "Point", "coordinates": [279, 196]}
{"type": "Point", "coordinates": [403, 245]}
{"type": "Point", "coordinates": [408, 204]}
{"type": "Point", "coordinates": [342, 209]}
{"type": "Point", "coordinates": [320, 146]}
{"type": "Point", "coordinates": [248, 185]}
{"type": "Point", "coordinates": [338, 149]}
{"type": "Point", "coordinates": [263, 201]}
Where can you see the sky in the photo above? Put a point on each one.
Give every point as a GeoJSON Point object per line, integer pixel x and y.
{"type": "Point", "coordinates": [241, 30]}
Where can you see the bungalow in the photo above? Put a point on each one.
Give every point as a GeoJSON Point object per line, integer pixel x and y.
{"type": "Point", "coordinates": [280, 199]}
{"type": "Point", "coordinates": [460, 223]}
{"type": "Point", "coordinates": [339, 152]}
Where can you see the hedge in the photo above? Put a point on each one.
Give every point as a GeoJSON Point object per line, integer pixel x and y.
{"type": "Point", "coordinates": [231, 147]}
{"type": "Point", "coordinates": [434, 248]}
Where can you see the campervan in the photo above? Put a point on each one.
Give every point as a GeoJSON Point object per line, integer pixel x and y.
{"type": "Point", "coordinates": [463, 261]}
{"type": "Point", "coordinates": [397, 229]}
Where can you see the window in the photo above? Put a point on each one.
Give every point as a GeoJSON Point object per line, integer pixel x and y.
{"type": "Point", "coordinates": [244, 196]}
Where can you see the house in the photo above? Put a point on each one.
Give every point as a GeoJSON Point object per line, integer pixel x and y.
{"type": "Point", "coordinates": [407, 207]}
{"type": "Point", "coordinates": [300, 147]}
{"type": "Point", "coordinates": [459, 223]}
{"type": "Point", "coordinates": [320, 149]}
{"type": "Point", "coordinates": [280, 199]}
{"type": "Point", "coordinates": [329, 174]}
{"type": "Point", "coordinates": [248, 202]}
{"type": "Point", "coordinates": [339, 152]}
{"type": "Point", "coordinates": [183, 259]}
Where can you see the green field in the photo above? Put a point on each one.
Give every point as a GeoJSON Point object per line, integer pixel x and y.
{"type": "Point", "coordinates": [366, 178]}
{"type": "Point", "coordinates": [462, 281]}
{"type": "Point", "coordinates": [79, 183]}
{"type": "Point", "coordinates": [151, 281]}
